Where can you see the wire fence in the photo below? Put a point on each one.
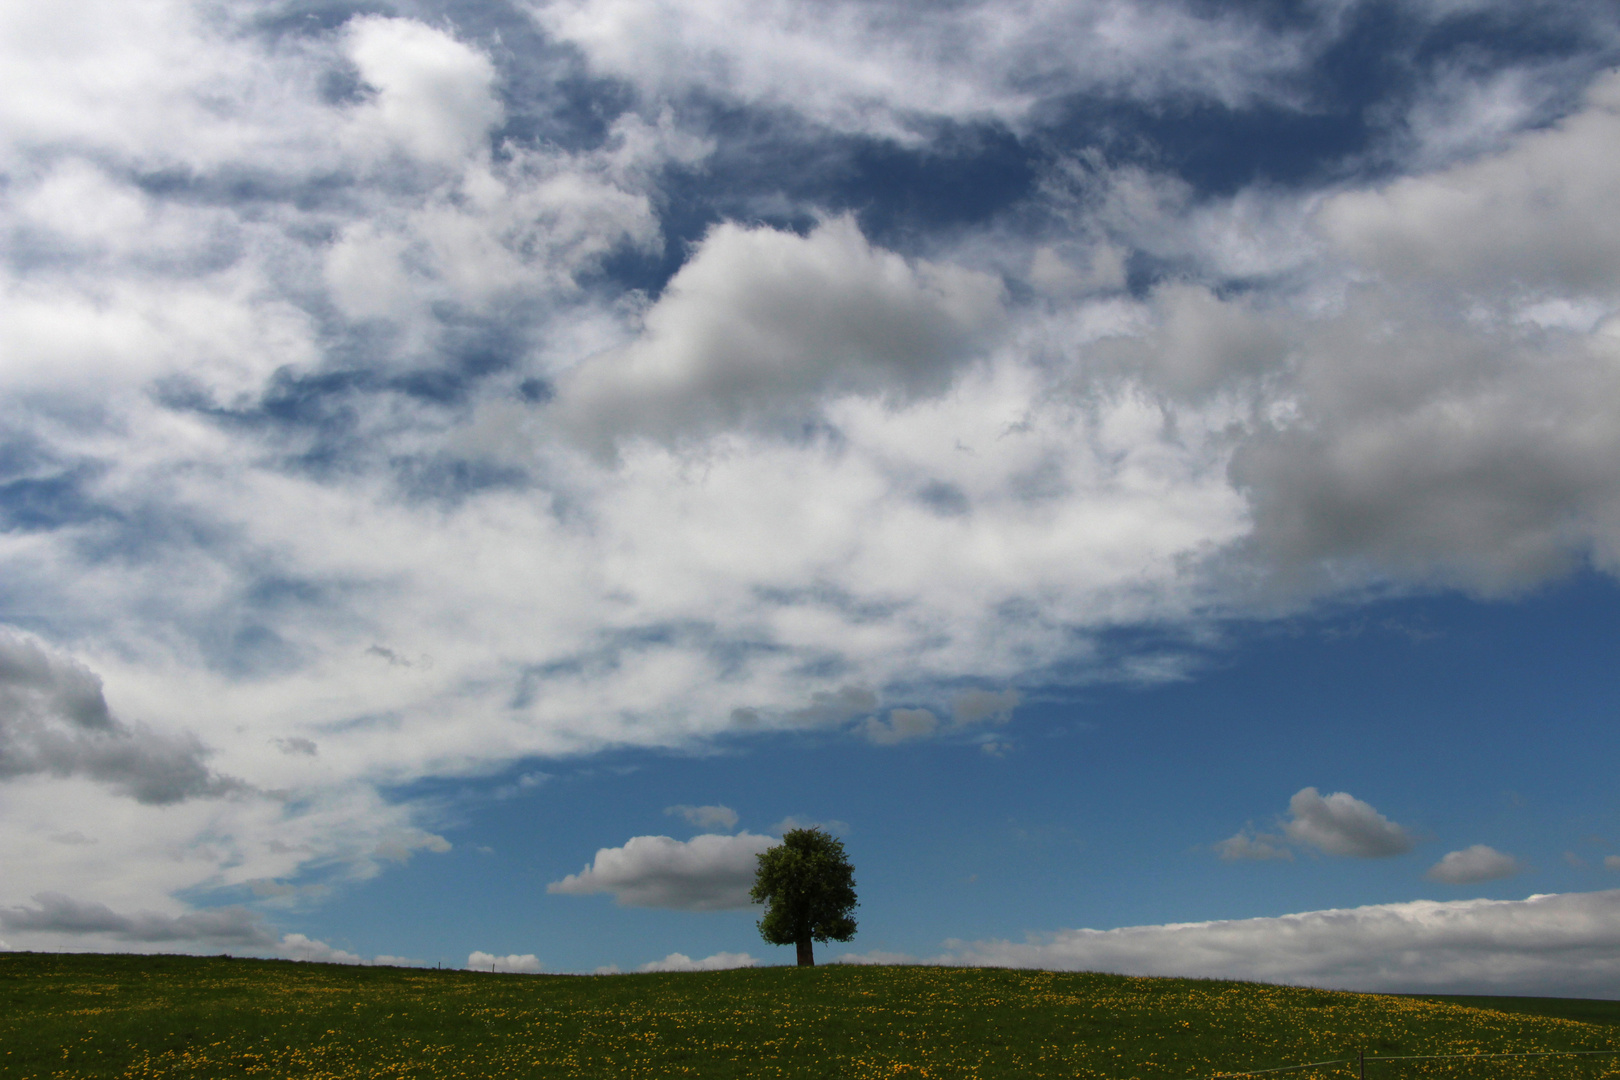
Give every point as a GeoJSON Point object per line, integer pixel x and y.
{"type": "Point", "coordinates": [1361, 1061]}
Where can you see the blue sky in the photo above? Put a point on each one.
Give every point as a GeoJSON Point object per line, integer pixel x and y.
{"type": "Point", "coordinates": [1143, 474]}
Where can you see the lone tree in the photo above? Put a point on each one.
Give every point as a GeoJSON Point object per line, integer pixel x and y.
{"type": "Point", "coordinates": [809, 888]}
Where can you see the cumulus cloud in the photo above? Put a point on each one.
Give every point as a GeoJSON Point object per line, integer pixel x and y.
{"type": "Point", "coordinates": [527, 964]}
{"type": "Point", "coordinates": [1566, 944]}
{"type": "Point", "coordinates": [705, 817]}
{"type": "Point", "coordinates": [432, 95]}
{"type": "Point", "coordinates": [1472, 865]}
{"type": "Point", "coordinates": [1425, 228]}
{"type": "Point", "coordinates": [54, 720]}
{"type": "Point", "coordinates": [54, 913]}
{"type": "Point", "coordinates": [720, 961]}
{"type": "Point", "coordinates": [1199, 343]}
{"type": "Point", "coordinates": [310, 950]}
{"type": "Point", "coordinates": [706, 873]}
{"type": "Point", "coordinates": [1432, 438]}
{"type": "Point", "coordinates": [1248, 846]}
{"type": "Point", "coordinates": [759, 324]}
{"type": "Point", "coordinates": [1341, 824]}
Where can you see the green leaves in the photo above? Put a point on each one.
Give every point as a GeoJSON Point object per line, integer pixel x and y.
{"type": "Point", "coordinates": [808, 885]}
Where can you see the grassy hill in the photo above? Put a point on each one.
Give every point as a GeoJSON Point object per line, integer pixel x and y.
{"type": "Point", "coordinates": [171, 1016]}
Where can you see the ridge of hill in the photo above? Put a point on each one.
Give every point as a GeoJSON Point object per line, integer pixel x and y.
{"type": "Point", "coordinates": [1585, 1010]}
{"type": "Point", "coordinates": [69, 1016]}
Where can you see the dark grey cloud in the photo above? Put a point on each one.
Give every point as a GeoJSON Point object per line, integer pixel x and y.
{"type": "Point", "coordinates": [58, 914]}
{"type": "Point", "coordinates": [54, 720]}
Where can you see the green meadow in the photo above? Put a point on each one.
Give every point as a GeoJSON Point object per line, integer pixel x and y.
{"type": "Point", "coordinates": [171, 1016]}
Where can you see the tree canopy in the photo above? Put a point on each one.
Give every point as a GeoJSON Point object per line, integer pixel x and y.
{"type": "Point", "coordinates": [808, 885]}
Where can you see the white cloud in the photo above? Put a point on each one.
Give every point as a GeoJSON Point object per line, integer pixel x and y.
{"type": "Point", "coordinates": [1341, 824]}
{"type": "Point", "coordinates": [1535, 194]}
{"type": "Point", "coordinates": [1248, 846]}
{"type": "Point", "coordinates": [706, 873]}
{"type": "Point", "coordinates": [1449, 427]}
{"type": "Point", "coordinates": [527, 964]}
{"type": "Point", "coordinates": [240, 317]}
{"type": "Point", "coordinates": [1472, 865]}
{"type": "Point", "coordinates": [433, 95]}
{"type": "Point", "coordinates": [1200, 343]}
{"type": "Point", "coordinates": [759, 324]}
{"type": "Point", "coordinates": [299, 947]}
{"type": "Point", "coordinates": [1566, 945]}
{"type": "Point", "coordinates": [705, 817]}
{"type": "Point", "coordinates": [720, 961]}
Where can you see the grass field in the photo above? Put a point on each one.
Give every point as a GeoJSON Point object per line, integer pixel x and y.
{"type": "Point", "coordinates": [171, 1016]}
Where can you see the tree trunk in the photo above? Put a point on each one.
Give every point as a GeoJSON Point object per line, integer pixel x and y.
{"type": "Point", "coordinates": [807, 956]}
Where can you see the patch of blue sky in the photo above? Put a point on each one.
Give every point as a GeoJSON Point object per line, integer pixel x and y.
{"type": "Point", "coordinates": [1463, 721]}
{"type": "Point", "coordinates": [390, 370]}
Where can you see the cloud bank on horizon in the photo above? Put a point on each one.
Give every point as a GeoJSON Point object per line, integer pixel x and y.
{"type": "Point", "coordinates": [375, 411]}
{"type": "Point", "coordinates": [1563, 945]}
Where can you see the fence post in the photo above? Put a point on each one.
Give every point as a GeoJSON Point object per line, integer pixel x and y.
{"type": "Point", "coordinates": [1361, 1060]}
